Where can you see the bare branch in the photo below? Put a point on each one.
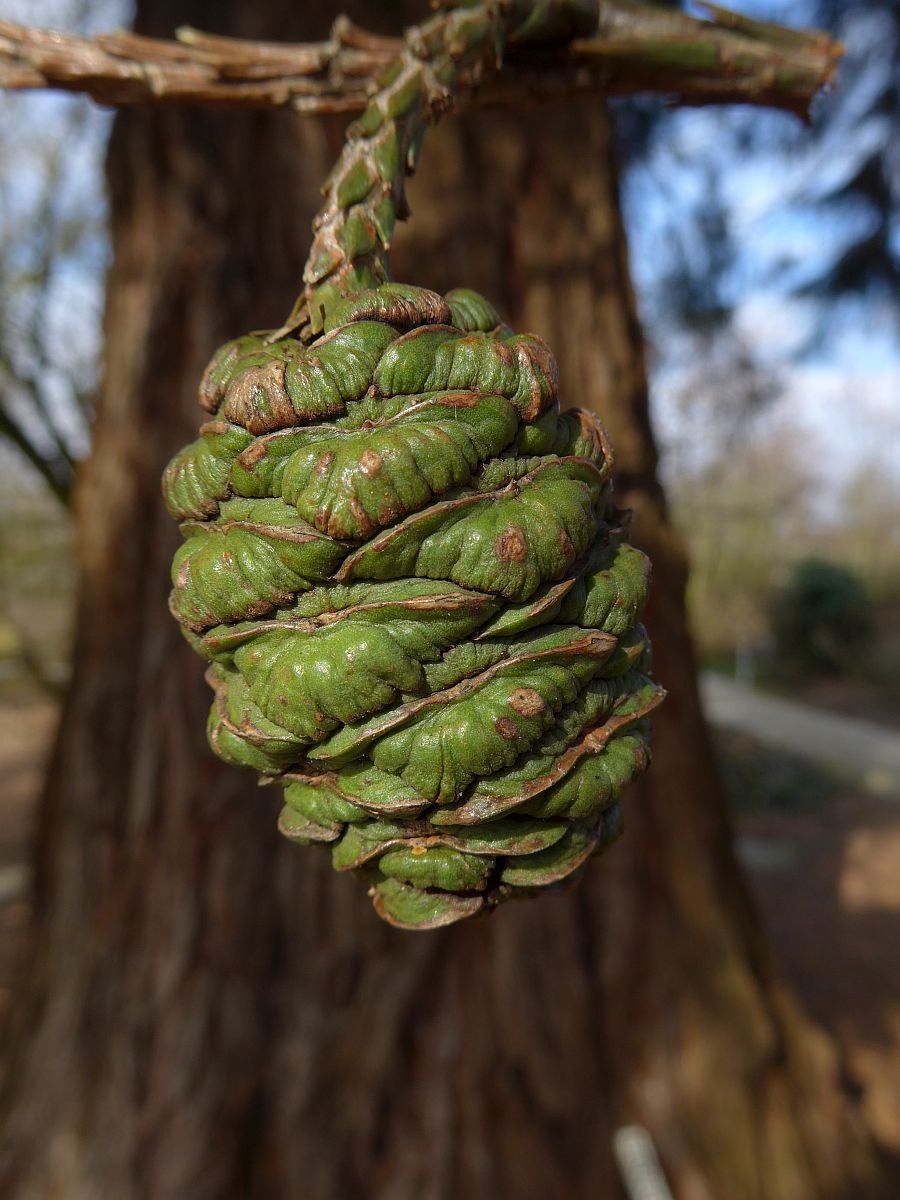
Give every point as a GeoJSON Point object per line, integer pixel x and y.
{"type": "Point", "coordinates": [57, 472]}
{"type": "Point", "coordinates": [637, 48]}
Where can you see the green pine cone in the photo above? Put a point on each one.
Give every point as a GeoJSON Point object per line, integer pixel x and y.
{"type": "Point", "coordinates": [405, 570]}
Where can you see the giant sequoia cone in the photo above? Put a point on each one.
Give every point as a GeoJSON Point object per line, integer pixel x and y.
{"type": "Point", "coordinates": [404, 567]}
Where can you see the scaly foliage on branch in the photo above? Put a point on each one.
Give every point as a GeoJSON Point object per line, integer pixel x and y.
{"type": "Point", "coordinates": [631, 48]}
{"type": "Point", "coordinates": [365, 191]}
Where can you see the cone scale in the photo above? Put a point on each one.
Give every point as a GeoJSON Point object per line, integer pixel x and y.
{"type": "Point", "coordinates": [404, 568]}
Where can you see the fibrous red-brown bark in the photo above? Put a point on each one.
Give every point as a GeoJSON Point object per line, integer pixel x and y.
{"type": "Point", "coordinates": [212, 1013]}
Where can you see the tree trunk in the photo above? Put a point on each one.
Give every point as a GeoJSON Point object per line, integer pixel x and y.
{"type": "Point", "coordinates": [211, 1012]}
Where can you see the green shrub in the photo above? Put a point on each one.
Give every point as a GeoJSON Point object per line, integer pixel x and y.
{"type": "Point", "coordinates": [822, 620]}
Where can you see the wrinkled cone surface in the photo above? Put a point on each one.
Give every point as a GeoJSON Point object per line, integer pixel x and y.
{"type": "Point", "coordinates": [405, 570]}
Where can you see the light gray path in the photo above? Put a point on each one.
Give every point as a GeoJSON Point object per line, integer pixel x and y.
{"type": "Point", "coordinates": [868, 753]}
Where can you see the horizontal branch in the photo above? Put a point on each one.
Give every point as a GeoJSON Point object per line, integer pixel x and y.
{"type": "Point", "coordinates": [637, 48]}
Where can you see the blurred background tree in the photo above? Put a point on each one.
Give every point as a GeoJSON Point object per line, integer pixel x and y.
{"type": "Point", "coordinates": [54, 249]}
{"type": "Point", "coordinates": [207, 1012]}
{"type": "Point", "coordinates": [766, 257]}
